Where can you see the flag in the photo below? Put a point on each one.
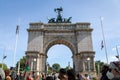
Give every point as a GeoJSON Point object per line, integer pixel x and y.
{"type": "Point", "coordinates": [27, 68]}
{"type": "Point", "coordinates": [102, 44]}
{"type": "Point", "coordinates": [17, 29]}
{"type": "Point", "coordinates": [117, 56]}
{"type": "Point", "coordinates": [4, 57]}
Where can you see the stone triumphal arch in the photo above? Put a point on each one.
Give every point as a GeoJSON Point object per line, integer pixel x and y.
{"type": "Point", "coordinates": [76, 36]}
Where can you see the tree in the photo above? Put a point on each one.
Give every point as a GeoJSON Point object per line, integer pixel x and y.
{"type": "Point", "coordinates": [98, 66]}
{"type": "Point", "coordinates": [22, 63]}
{"type": "Point", "coordinates": [4, 66]}
{"type": "Point", "coordinates": [49, 69]}
{"type": "Point", "coordinates": [56, 67]}
{"type": "Point", "coordinates": [68, 67]}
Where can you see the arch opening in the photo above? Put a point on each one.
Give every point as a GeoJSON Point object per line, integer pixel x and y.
{"type": "Point", "coordinates": [60, 54]}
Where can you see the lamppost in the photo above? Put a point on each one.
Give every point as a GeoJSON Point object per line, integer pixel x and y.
{"type": "Point", "coordinates": [88, 60]}
{"type": "Point", "coordinates": [4, 56]}
{"type": "Point", "coordinates": [34, 64]}
{"type": "Point", "coordinates": [47, 66]}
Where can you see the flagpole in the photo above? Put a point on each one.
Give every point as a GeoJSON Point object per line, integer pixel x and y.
{"type": "Point", "coordinates": [104, 40]}
{"type": "Point", "coordinates": [18, 67]}
{"type": "Point", "coordinates": [117, 53]}
{"type": "Point", "coordinates": [3, 56]}
{"type": "Point", "coordinates": [17, 30]}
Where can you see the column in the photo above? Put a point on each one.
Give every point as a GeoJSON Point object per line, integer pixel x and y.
{"type": "Point", "coordinates": [80, 61]}
{"type": "Point", "coordinates": [93, 62]}
{"type": "Point", "coordinates": [74, 64]}
{"type": "Point", "coordinates": [83, 66]}
{"type": "Point", "coordinates": [41, 63]}
{"type": "Point", "coordinates": [38, 63]}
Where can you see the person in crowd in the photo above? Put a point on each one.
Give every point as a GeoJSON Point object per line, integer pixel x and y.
{"type": "Point", "coordinates": [71, 74]}
{"type": "Point", "coordinates": [33, 75]}
{"type": "Point", "coordinates": [56, 76]}
{"type": "Point", "coordinates": [17, 77]}
{"type": "Point", "coordinates": [79, 76]}
{"type": "Point", "coordinates": [49, 78]}
{"type": "Point", "coordinates": [2, 74]}
{"type": "Point", "coordinates": [43, 76]}
{"type": "Point", "coordinates": [21, 76]}
{"type": "Point", "coordinates": [7, 74]}
{"type": "Point", "coordinates": [29, 76]}
{"type": "Point", "coordinates": [53, 75]}
{"type": "Point", "coordinates": [104, 70]}
{"type": "Point", "coordinates": [37, 76]}
{"type": "Point", "coordinates": [13, 74]}
{"type": "Point", "coordinates": [62, 74]}
{"type": "Point", "coordinates": [114, 72]}
{"type": "Point", "coordinates": [86, 76]}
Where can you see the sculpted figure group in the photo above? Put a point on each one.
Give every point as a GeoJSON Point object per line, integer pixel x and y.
{"type": "Point", "coordinates": [59, 18]}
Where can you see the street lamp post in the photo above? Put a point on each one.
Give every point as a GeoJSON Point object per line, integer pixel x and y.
{"type": "Point", "coordinates": [47, 66]}
{"type": "Point", "coordinates": [34, 64]}
{"type": "Point", "coordinates": [88, 59]}
{"type": "Point", "coordinates": [4, 56]}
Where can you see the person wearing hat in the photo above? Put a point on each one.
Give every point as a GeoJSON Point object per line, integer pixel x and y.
{"type": "Point", "coordinates": [114, 72]}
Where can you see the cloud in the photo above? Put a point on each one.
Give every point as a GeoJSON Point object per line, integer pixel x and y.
{"type": "Point", "coordinates": [115, 48]}
{"type": "Point", "coordinates": [113, 58]}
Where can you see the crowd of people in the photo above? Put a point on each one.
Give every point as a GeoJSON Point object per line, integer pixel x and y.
{"type": "Point", "coordinates": [111, 72]}
{"type": "Point", "coordinates": [30, 75]}
{"type": "Point", "coordinates": [108, 72]}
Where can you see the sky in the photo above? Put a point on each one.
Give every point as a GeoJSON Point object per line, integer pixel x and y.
{"type": "Point", "coordinates": [22, 12]}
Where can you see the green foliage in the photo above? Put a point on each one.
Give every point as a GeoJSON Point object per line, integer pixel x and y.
{"type": "Point", "coordinates": [56, 67]}
{"type": "Point", "coordinates": [49, 70]}
{"type": "Point", "coordinates": [68, 67]}
{"type": "Point", "coordinates": [94, 79]}
{"type": "Point", "coordinates": [100, 64]}
{"type": "Point", "coordinates": [22, 63]}
{"type": "Point", "coordinates": [4, 66]}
